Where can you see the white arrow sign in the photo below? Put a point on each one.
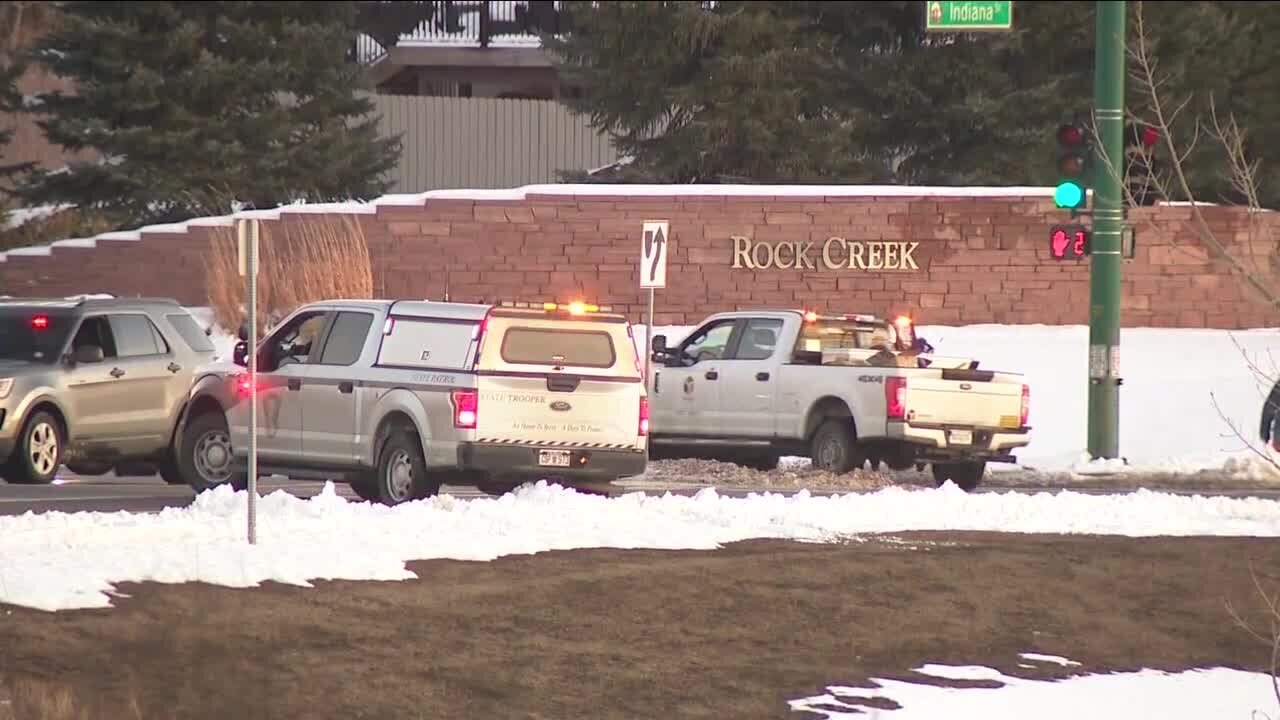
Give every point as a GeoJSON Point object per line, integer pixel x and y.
{"type": "Point", "coordinates": [653, 254]}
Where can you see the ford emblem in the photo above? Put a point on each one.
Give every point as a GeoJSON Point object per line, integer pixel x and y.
{"type": "Point", "coordinates": [560, 406]}
{"type": "Point", "coordinates": [966, 386]}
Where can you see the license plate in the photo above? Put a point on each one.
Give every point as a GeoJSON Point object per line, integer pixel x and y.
{"type": "Point", "coordinates": [961, 437]}
{"type": "Point", "coordinates": [554, 458]}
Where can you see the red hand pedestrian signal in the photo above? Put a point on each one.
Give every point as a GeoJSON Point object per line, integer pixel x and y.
{"type": "Point", "coordinates": [1068, 242]}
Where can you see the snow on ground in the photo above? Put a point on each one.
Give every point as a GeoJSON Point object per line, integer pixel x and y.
{"type": "Point", "coordinates": [1193, 695]}
{"type": "Point", "coordinates": [1185, 395]}
{"type": "Point", "coordinates": [58, 561]}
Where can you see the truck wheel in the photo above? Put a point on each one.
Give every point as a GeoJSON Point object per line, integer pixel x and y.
{"type": "Point", "coordinates": [38, 453]}
{"type": "Point", "coordinates": [402, 471]}
{"type": "Point", "coordinates": [204, 457]}
{"type": "Point", "coordinates": [833, 447]}
{"type": "Point", "coordinates": [966, 475]}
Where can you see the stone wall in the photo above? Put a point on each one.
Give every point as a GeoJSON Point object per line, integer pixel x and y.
{"type": "Point", "coordinates": [955, 256]}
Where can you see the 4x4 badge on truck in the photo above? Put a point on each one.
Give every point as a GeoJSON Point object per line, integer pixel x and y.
{"type": "Point", "coordinates": [561, 406]}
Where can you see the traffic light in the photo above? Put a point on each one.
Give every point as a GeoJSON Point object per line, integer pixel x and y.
{"type": "Point", "coordinates": [1073, 166]}
{"type": "Point", "coordinates": [1140, 142]}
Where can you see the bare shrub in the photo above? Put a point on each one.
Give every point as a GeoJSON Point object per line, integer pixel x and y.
{"type": "Point", "coordinates": [315, 258]}
{"type": "Point", "coordinates": [60, 225]}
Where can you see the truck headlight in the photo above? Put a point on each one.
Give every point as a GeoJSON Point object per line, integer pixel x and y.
{"type": "Point", "coordinates": [6, 386]}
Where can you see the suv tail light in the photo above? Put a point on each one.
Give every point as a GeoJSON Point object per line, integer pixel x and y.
{"type": "Point", "coordinates": [466, 409]}
{"type": "Point", "coordinates": [895, 398]}
{"type": "Point", "coordinates": [1026, 405]}
{"type": "Point", "coordinates": [644, 416]}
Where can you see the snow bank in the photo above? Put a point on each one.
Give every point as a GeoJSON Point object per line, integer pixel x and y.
{"type": "Point", "coordinates": [1193, 695]}
{"type": "Point", "coordinates": [1185, 395]}
{"type": "Point", "coordinates": [56, 561]}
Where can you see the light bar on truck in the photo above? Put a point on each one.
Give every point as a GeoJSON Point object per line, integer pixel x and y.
{"type": "Point", "coordinates": [811, 317]}
{"type": "Point", "coordinates": [577, 307]}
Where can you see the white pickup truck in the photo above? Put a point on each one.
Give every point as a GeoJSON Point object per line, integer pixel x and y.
{"type": "Point", "coordinates": [752, 386]}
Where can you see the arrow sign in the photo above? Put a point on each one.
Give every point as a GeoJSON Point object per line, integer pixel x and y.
{"type": "Point", "coordinates": [653, 254]}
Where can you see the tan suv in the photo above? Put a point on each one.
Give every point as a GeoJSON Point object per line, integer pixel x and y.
{"type": "Point", "coordinates": [95, 384]}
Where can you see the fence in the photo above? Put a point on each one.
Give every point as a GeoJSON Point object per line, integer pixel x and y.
{"type": "Point", "coordinates": [458, 23]}
{"type": "Point", "coordinates": [480, 143]}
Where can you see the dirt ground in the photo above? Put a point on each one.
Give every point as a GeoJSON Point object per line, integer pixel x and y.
{"type": "Point", "coordinates": [606, 634]}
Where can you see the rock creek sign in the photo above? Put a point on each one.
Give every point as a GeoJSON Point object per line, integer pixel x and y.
{"type": "Point", "coordinates": [834, 254]}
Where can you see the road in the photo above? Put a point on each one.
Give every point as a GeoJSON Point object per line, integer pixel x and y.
{"type": "Point", "coordinates": [75, 493]}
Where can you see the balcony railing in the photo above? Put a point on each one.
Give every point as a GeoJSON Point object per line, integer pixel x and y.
{"type": "Point", "coordinates": [455, 23]}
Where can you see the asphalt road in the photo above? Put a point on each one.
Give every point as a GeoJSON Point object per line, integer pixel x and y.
{"type": "Point", "coordinates": [75, 493]}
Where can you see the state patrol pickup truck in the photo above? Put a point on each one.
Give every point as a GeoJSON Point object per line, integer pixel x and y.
{"type": "Point", "coordinates": [398, 397]}
{"type": "Point", "coordinates": [842, 390]}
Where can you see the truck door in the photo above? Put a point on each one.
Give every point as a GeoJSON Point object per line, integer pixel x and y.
{"type": "Point", "coordinates": [686, 398]}
{"type": "Point", "coordinates": [747, 380]}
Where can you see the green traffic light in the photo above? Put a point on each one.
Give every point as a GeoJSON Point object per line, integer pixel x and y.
{"type": "Point", "coordinates": [1068, 195]}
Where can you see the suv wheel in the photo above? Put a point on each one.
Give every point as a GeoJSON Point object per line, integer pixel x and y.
{"type": "Point", "coordinates": [39, 452]}
{"type": "Point", "coordinates": [204, 458]}
{"type": "Point", "coordinates": [401, 475]}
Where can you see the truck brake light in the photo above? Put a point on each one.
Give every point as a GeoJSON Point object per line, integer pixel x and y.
{"type": "Point", "coordinates": [895, 398]}
{"type": "Point", "coordinates": [466, 409]}
{"type": "Point", "coordinates": [1026, 405]}
{"type": "Point", "coordinates": [644, 416]}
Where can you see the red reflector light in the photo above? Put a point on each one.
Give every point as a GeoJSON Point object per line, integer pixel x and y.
{"type": "Point", "coordinates": [895, 398]}
{"type": "Point", "coordinates": [644, 416]}
{"type": "Point", "coordinates": [1026, 405]}
{"type": "Point", "coordinates": [40, 322]}
{"type": "Point", "coordinates": [244, 386]}
{"type": "Point", "coordinates": [466, 409]}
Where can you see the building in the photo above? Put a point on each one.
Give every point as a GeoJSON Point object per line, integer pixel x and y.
{"type": "Point", "coordinates": [474, 49]}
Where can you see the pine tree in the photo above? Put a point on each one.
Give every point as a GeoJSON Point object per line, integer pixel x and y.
{"type": "Point", "coordinates": [10, 101]}
{"type": "Point", "coordinates": [195, 105]}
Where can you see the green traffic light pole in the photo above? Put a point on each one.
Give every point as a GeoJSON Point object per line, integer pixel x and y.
{"type": "Point", "coordinates": [1108, 221]}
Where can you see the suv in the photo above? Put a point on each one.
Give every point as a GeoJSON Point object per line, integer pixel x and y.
{"type": "Point", "coordinates": [398, 397]}
{"type": "Point", "coordinates": [97, 384]}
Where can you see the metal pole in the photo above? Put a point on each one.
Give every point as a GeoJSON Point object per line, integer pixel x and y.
{"type": "Point", "coordinates": [252, 264]}
{"type": "Point", "coordinates": [1108, 221]}
{"type": "Point", "coordinates": [648, 341]}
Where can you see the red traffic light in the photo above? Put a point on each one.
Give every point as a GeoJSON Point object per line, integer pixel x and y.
{"type": "Point", "coordinates": [1070, 135]}
{"type": "Point", "coordinates": [1068, 242]}
{"type": "Point", "coordinates": [1150, 136]}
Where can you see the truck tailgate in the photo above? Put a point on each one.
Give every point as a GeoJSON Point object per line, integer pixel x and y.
{"type": "Point", "coordinates": [942, 401]}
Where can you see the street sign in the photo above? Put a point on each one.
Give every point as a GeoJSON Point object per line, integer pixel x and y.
{"type": "Point", "coordinates": [968, 16]}
{"type": "Point", "coordinates": [1069, 242]}
{"type": "Point", "coordinates": [653, 254]}
{"type": "Point", "coordinates": [247, 241]}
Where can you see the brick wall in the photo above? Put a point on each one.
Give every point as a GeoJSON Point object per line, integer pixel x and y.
{"type": "Point", "coordinates": [949, 259]}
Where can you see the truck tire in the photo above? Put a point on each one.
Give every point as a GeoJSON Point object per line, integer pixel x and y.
{"type": "Point", "coordinates": [966, 475]}
{"type": "Point", "coordinates": [401, 474]}
{"type": "Point", "coordinates": [38, 452]}
{"type": "Point", "coordinates": [204, 455]}
{"type": "Point", "coordinates": [834, 447]}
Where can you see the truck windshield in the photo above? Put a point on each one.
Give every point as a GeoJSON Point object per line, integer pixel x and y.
{"type": "Point", "coordinates": [32, 334]}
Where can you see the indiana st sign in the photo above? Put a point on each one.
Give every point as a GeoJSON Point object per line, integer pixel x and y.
{"type": "Point", "coordinates": [968, 16]}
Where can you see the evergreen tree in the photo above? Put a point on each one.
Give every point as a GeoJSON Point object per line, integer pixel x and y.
{"type": "Point", "coordinates": [10, 101]}
{"type": "Point", "coordinates": [193, 105]}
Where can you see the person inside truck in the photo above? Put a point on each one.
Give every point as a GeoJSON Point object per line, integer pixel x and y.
{"type": "Point", "coordinates": [1270, 410]}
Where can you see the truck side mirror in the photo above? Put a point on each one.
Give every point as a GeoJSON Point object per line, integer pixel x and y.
{"type": "Point", "coordinates": [240, 355]}
{"type": "Point", "coordinates": [659, 343]}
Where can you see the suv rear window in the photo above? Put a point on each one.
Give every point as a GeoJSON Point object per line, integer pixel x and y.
{"type": "Point", "coordinates": [427, 343]}
{"type": "Point", "coordinates": [538, 346]}
{"type": "Point", "coordinates": [191, 333]}
{"type": "Point", "coordinates": [33, 334]}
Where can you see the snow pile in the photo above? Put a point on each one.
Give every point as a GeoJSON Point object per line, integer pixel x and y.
{"type": "Point", "coordinates": [55, 560]}
{"type": "Point", "coordinates": [1186, 393]}
{"type": "Point", "coordinates": [1193, 695]}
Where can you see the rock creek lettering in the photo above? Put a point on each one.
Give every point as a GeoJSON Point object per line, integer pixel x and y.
{"type": "Point", "coordinates": [834, 254]}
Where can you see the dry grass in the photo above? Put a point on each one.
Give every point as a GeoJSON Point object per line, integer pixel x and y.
{"type": "Point", "coordinates": [317, 258]}
{"type": "Point", "coordinates": [61, 225]}
{"type": "Point", "coordinates": [31, 699]}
